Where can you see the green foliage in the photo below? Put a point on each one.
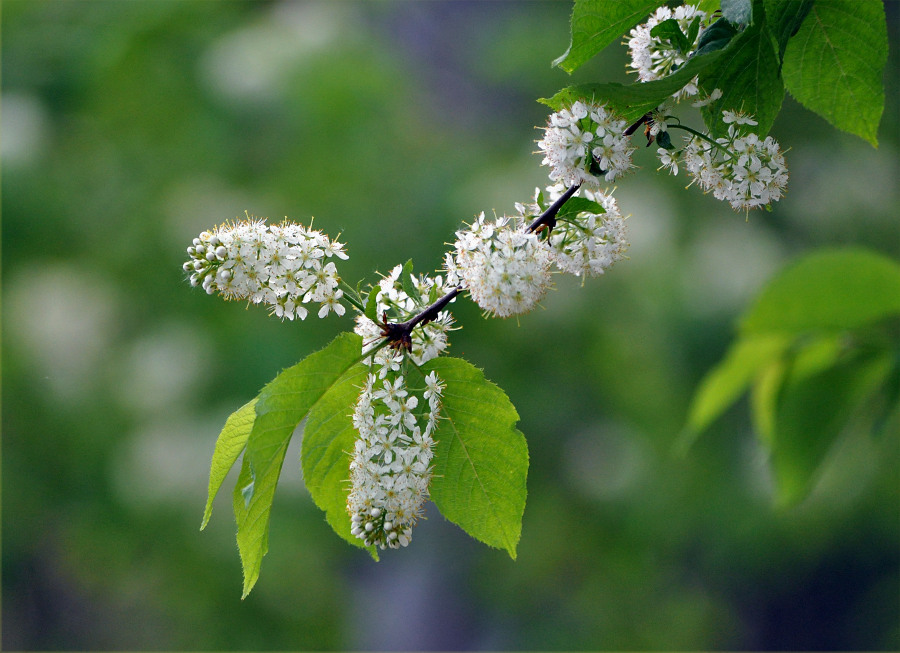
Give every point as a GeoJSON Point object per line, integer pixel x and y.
{"type": "Point", "coordinates": [813, 349]}
{"type": "Point", "coordinates": [835, 64]}
{"type": "Point", "coordinates": [280, 407]}
{"type": "Point", "coordinates": [830, 55]}
{"type": "Point", "coordinates": [596, 24]}
{"type": "Point", "coordinates": [633, 100]}
{"type": "Point", "coordinates": [481, 459]}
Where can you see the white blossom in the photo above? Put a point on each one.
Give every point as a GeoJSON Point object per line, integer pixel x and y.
{"type": "Point", "coordinates": [505, 269]}
{"type": "Point", "coordinates": [584, 143]}
{"type": "Point", "coordinates": [589, 243]}
{"type": "Point", "coordinates": [282, 266]}
{"type": "Point", "coordinates": [654, 58]}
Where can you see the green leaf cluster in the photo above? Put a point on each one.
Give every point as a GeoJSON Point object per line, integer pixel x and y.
{"type": "Point", "coordinates": [819, 343]}
{"type": "Point", "coordinates": [480, 465]}
{"type": "Point", "coordinates": [829, 54]}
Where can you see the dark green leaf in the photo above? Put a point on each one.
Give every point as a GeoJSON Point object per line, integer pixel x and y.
{"type": "Point", "coordinates": [747, 74]}
{"type": "Point", "coordinates": [669, 30]}
{"type": "Point", "coordinates": [827, 290]}
{"type": "Point", "coordinates": [716, 37]}
{"type": "Point", "coordinates": [280, 407]}
{"type": "Point", "coordinates": [328, 441]}
{"type": "Point", "coordinates": [812, 411]}
{"type": "Point", "coordinates": [597, 23]}
{"type": "Point", "coordinates": [738, 12]}
{"type": "Point", "coordinates": [634, 100]}
{"type": "Point", "coordinates": [693, 30]}
{"type": "Point", "coordinates": [229, 445]}
{"type": "Point", "coordinates": [481, 459]}
{"type": "Point", "coordinates": [834, 66]}
{"type": "Point", "coordinates": [784, 20]}
{"type": "Point", "coordinates": [664, 141]}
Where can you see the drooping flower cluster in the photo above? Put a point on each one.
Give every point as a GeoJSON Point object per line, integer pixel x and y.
{"type": "Point", "coordinates": [584, 143]}
{"type": "Point", "coordinates": [283, 266]}
{"type": "Point", "coordinates": [587, 244]}
{"type": "Point", "coordinates": [742, 169]}
{"type": "Point", "coordinates": [505, 269]}
{"type": "Point", "coordinates": [654, 57]}
{"type": "Point", "coordinates": [390, 469]}
{"type": "Point", "coordinates": [429, 339]}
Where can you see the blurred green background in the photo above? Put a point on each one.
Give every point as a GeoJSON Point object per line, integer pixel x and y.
{"type": "Point", "coordinates": [129, 127]}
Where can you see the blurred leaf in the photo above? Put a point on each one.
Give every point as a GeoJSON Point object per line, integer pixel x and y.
{"type": "Point", "coordinates": [784, 20]}
{"type": "Point", "coordinates": [830, 289]}
{"type": "Point", "coordinates": [481, 459]}
{"type": "Point", "coordinates": [834, 66]}
{"type": "Point", "coordinates": [738, 12]}
{"type": "Point", "coordinates": [726, 382]}
{"type": "Point", "coordinates": [229, 445]}
{"type": "Point", "coordinates": [709, 6]}
{"type": "Point", "coordinates": [813, 409]}
{"type": "Point", "coordinates": [633, 100]}
{"type": "Point", "coordinates": [407, 283]}
{"type": "Point", "coordinates": [597, 23]}
{"type": "Point", "coordinates": [764, 399]}
{"type": "Point", "coordinates": [281, 405]}
{"type": "Point", "coordinates": [328, 441]}
{"type": "Point", "coordinates": [748, 76]}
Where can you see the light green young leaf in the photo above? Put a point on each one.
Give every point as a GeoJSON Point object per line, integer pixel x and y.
{"type": "Point", "coordinates": [748, 76]}
{"type": "Point", "coordinates": [633, 100]}
{"type": "Point", "coordinates": [229, 445]}
{"type": "Point", "coordinates": [726, 382]}
{"type": "Point", "coordinates": [833, 289]}
{"type": "Point", "coordinates": [812, 411]}
{"type": "Point", "coordinates": [597, 23]}
{"type": "Point", "coordinates": [281, 406]}
{"type": "Point", "coordinates": [834, 66]}
{"type": "Point", "coordinates": [481, 459]}
{"type": "Point", "coordinates": [328, 441]}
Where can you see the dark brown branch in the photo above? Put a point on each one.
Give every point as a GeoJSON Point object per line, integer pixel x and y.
{"type": "Point", "coordinates": [399, 334]}
{"type": "Point", "coordinates": [548, 217]}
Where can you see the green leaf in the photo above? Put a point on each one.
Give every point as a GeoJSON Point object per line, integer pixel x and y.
{"type": "Point", "coordinates": [834, 66]}
{"type": "Point", "coordinates": [372, 304]}
{"type": "Point", "coordinates": [481, 459]}
{"type": "Point", "coordinates": [716, 37]}
{"type": "Point", "coordinates": [229, 445]}
{"type": "Point", "coordinates": [812, 411]}
{"type": "Point", "coordinates": [407, 283]}
{"type": "Point", "coordinates": [280, 407]}
{"type": "Point", "coordinates": [738, 12]}
{"type": "Point", "coordinates": [726, 382]}
{"type": "Point", "coordinates": [784, 20]}
{"type": "Point", "coordinates": [328, 441]}
{"type": "Point", "coordinates": [709, 6]}
{"type": "Point", "coordinates": [670, 30]}
{"type": "Point", "coordinates": [576, 205]}
{"type": "Point", "coordinates": [747, 74]}
{"type": "Point", "coordinates": [597, 23]}
{"type": "Point", "coordinates": [634, 100]}
{"type": "Point", "coordinates": [827, 290]}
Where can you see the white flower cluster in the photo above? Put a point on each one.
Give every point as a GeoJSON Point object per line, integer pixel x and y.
{"type": "Point", "coordinates": [391, 466]}
{"type": "Point", "coordinates": [505, 269]}
{"type": "Point", "coordinates": [428, 340]}
{"type": "Point", "coordinates": [585, 142]}
{"type": "Point", "coordinates": [744, 170]}
{"type": "Point", "coordinates": [589, 243]}
{"type": "Point", "coordinates": [654, 58]}
{"type": "Point", "coordinates": [283, 266]}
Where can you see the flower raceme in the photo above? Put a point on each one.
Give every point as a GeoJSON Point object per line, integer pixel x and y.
{"type": "Point", "coordinates": [283, 266]}
{"type": "Point", "coordinates": [585, 142]}
{"type": "Point", "coordinates": [505, 269]}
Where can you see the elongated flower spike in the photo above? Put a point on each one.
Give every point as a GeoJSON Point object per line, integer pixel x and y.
{"type": "Point", "coordinates": [283, 266]}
